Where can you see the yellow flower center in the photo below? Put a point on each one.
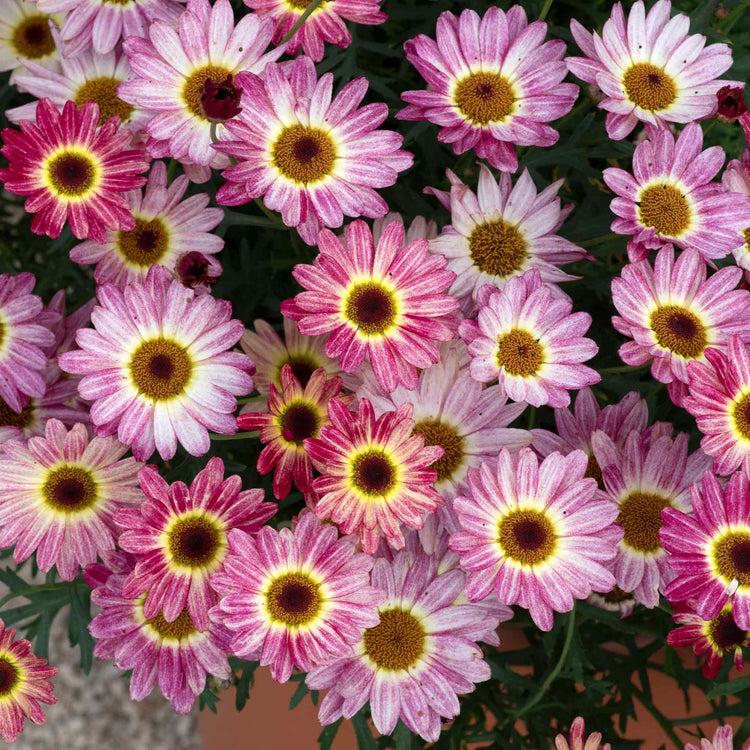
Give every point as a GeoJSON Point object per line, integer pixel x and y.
{"type": "Point", "coordinates": [195, 541]}
{"type": "Point", "coordinates": [665, 209]}
{"type": "Point", "coordinates": [497, 248]}
{"type": "Point", "coordinates": [724, 633]}
{"type": "Point", "coordinates": [519, 353]}
{"type": "Point", "coordinates": [484, 98]}
{"type": "Point", "coordinates": [679, 330]}
{"type": "Point", "coordinates": [373, 473]}
{"type": "Point", "coordinates": [594, 471]}
{"type": "Point", "coordinates": [8, 676]}
{"type": "Point", "coordinates": [640, 517]}
{"type": "Point", "coordinates": [160, 369]}
{"type": "Point", "coordinates": [527, 536]}
{"type": "Point", "coordinates": [193, 86]}
{"type": "Point", "coordinates": [304, 154]}
{"type": "Point", "coordinates": [649, 87]}
{"type": "Point", "coordinates": [732, 557]}
{"type": "Point", "coordinates": [298, 421]}
{"type": "Point", "coordinates": [145, 244]}
{"type": "Point", "coordinates": [746, 235]}
{"type": "Point", "coordinates": [370, 307]}
{"type": "Point", "coordinates": [178, 630]}
{"type": "Point", "coordinates": [742, 416]}
{"type": "Point", "coordinates": [436, 432]}
{"type": "Point", "coordinates": [71, 174]}
{"type": "Point", "coordinates": [103, 91]}
{"type": "Point", "coordinates": [294, 599]}
{"type": "Point", "coordinates": [70, 489]}
{"type": "Point", "coordinates": [32, 38]}
{"type": "Point", "coordinates": [396, 642]}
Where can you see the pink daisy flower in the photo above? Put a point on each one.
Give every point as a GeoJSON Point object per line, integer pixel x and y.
{"type": "Point", "coordinates": [715, 638]}
{"type": "Point", "coordinates": [643, 477]}
{"type": "Point", "coordinates": [269, 352]}
{"type": "Point", "coordinates": [180, 536]}
{"type": "Point", "coordinates": [493, 82]}
{"type": "Point", "coordinates": [177, 655]}
{"type": "Point", "coordinates": [722, 740]}
{"type": "Point", "coordinates": [313, 158]}
{"type": "Point", "coordinates": [59, 493]}
{"type": "Point", "coordinates": [324, 24]}
{"type": "Point", "coordinates": [300, 598]}
{"type": "Point", "coordinates": [649, 68]}
{"type": "Point", "coordinates": [533, 344]}
{"type": "Point", "coordinates": [375, 473]}
{"type": "Point", "coordinates": [384, 302]}
{"type": "Point", "coordinates": [24, 684]}
{"type": "Point", "coordinates": [157, 366]}
{"type": "Point", "coordinates": [501, 232]}
{"type": "Point", "coordinates": [419, 229]}
{"type": "Point", "coordinates": [670, 196]}
{"type": "Point", "coordinates": [673, 313]}
{"type": "Point", "coordinates": [180, 62]}
{"type": "Point", "coordinates": [26, 33]}
{"type": "Point", "coordinates": [417, 660]}
{"type": "Point", "coordinates": [166, 228]}
{"type": "Point", "coordinates": [101, 24]}
{"type": "Point", "coordinates": [719, 399]}
{"type": "Point", "coordinates": [710, 550]}
{"type": "Point", "coordinates": [538, 534]}
{"type": "Point", "coordinates": [293, 414]}
{"type": "Point", "coordinates": [72, 171]}
{"type": "Point", "coordinates": [577, 739]}
{"type": "Point", "coordinates": [736, 179]}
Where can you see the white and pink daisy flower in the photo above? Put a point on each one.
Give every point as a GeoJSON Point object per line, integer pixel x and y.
{"type": "Point", "coordinates": [313, 158]}
{"type": "Point", "coordinates": [577, 739]}
{"type": "Point", "coordinates": [643, 477]}
{"type": "Point", "coordinates": [533, 344]}
{"type": "Point", "coordinates": [73, 170]}
{"type": "Point", "coordinates": [183, 77]}
{"type": "Point", "coordinates": [59, 494]}
{"type": "Point", "coordinates": [295, 598]}
{"type": "Point", "coordinates": [418, 659]}
{"type": "Point", "coordinates": [26, 33]}
{"type": "Point", "coordinates": [376, 473]}
{"type": "Point", "coordinates": [673, 313]}
{"type": "Point", "coordinates": [166, 228]}
{"type": "Point", "coordinates": [384, 302]}
{"type": "Point", "coordinates": [736, 179]}
{"type": "Point", "coordinates": [180, 536]}
{"type": "Point", "coordinates": [538, 534]}
{"type": "Point", "coordinates": [493, 82]}
{"type": "Point", "coordinates": [709, 551]}
{"type": "Point", "coordinates": [157, 366]}
{"type": "Point", "coordinates": [670, 196]}
{"type": "Point", "coordinates": [324, 24]}
{"type": "Point", "coordinates": [419, 229]}
{"type": "Point", "coordinates": [502, 231]}
{"type": "Point", "coordinates": [649, 68]}
{"type": "Point", "coordinates": [175, 655]}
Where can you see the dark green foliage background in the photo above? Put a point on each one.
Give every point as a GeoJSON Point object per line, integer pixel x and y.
{"type": "Point", "coordinates": [258, 257]}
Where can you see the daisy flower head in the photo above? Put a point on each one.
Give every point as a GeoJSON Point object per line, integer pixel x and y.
{"type": "Point", "coordinates": [502, 231]}
{"type": "Point", "coordinates": [313, 157]}
{"type": "Point", "coordinates": [650, 69]}
{"type": "Point", "coordinates": [719, 399]}
{"type": "Point", "coordinates": [376, 473]}
{"type": "Point", "coordinates": [670, 196]}
{"type": "Point", "coordinates": [577, 739]}
{"type": "Point", "coordinates": [24, 684]}
{"type": "Point", "coordinates": [166, 228]}
{"type": "Point", "coordinates": [299, 598]}
{"type": "Point", "coordinates": [643, 477]}
{"type": "Point", "coordinates": [617, 600]}
{"type": "Point", "coordinates": [291, 415]}
{"type": "Point", "coordinates": [180, 536]}
{"type": "Point", "coordinates": [452, 410]}
{"type": "Point", "coordinates": [533, 344]}
{"type": "Point", "coordinates": [386, 302]}
{"type": "Point", "coordinates": [419, 229]}
{"type": "Point", "coordinates": [59, 494]}
{"type": "Point", "coordinates": [175, 655]}
{"type": "Point", "coordinates": [673, 313]}
{"type": "Point", "coordinates": [25, 32]}
{"type": "Point", "coordinates": [157, 366]}
{"type": "Point", "coordinates": [722, 740]}
{"type": "Point", "coordinates": [716, 638]}
{"type": "Point", "coordinates": [185, 73]}
{"type": "Point", "coordinates": [537, 533]}
{"type": "Point", "coordinates": [72, 170]}
{"type": "Point", "coordinates": [493, 82]}
{"type": "Point", "coordinates": [736, 179]}
{"type": "Point", "coordinates": [324, 24]}
{"type": "Point", "coordinates": [417, 660]}
{"type": "Point", "coordinates": [709, 551]}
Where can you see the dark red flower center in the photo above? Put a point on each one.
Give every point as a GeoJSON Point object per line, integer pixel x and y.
{"type": "Point", "coordinates": [144, 244]}
{"type": "Point", "coordinates": [160, 369]}
{"type": "Point", "coordinates": [370, 307]}
{"type": "Point", "coordinates": [192, 270]}
{"type": "Point", "coordinates": [527, 536]}
{"type": "Point", "coordinates": [293, 599]}
{"type": "Point", "coordinates": [304, 154]}
{"type": "Point", "coordinates": [732, 557]}
{"type": "Point", "coordinates": [725, 633]}
{"type": "Point", "coordinates": [302, 368]}
{"type": "Point", "coordinates": [70, 489]}
{"type": "Point", "coordinates": [299, 421]}
{"type": "Point", "coordinates": [71, 174]}
{"type": "Point", "coordinates": [195, 541]}
{"type": "Point", "coordinates": [373, 473]}
{"type": "Point", "coordinates": [220, 100]}
{"type": "Point", "coordinates": [732, 104]}
{"type": "Point", "coordinates": [8, 676]}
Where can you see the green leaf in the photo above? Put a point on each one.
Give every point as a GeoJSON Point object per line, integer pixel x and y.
{"type": "Point", "coordinates": [208, 699]}
{"type": "Point", "coordinates": [402, 736]}
{"type": "Point", "coordinates": [245, 682]}
{"type": "Point", "coordinates": [729, 688]}
{"type": "Point", "coordinates": [78, 626]}
{"type": "Point", "coordinates": [362, 731]}
{"type": "Point", "coordinates": [299, 694]}
{"type": "Point", "coordinates": [328, 735]}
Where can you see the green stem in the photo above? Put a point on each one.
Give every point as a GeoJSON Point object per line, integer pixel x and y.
{"type": "Point", "coordinates": [270, 214]}
{"type": "Point", "coordinates": [308, 12]}
{"type": "Point", "coordinates": [622, 369]}
{"type": "Point", "coordinates": [244, 435]}
{"type": "Point", "coordinates": [31, 590]}
{"type": "Point", "coordinates": [663, 721]}
{"type": "Point", "coordinates": [545, 9]}
{"type": "Point", "coordinates": [596, 240]}
{"type": "Point", "coordinates": [556, 671]}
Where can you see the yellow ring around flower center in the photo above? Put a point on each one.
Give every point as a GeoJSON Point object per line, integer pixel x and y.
{"type": "Point", "coordinates": [71, 173]}
{"type": "Point", "coordinates": [294, 599]}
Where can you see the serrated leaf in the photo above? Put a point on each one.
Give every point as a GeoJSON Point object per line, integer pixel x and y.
{"type": "Point", "coordinates": [299, 694]}
{"type": "Point", "coordinates": [365, 740]}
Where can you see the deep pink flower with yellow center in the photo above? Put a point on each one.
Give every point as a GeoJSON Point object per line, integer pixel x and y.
{"type": "Point", "coordinates": [493, 82]}
{"type": "Point", "coordinates": [73, 170]}
{"type": "Point", "coordinates": [375, 473]}
{"type": "Point", "coordinates": [384, 302]}
{"type": "Point", "coordinates": [290, 416]}
{"type": "Point", "coordinates": [24, 684]}
{"type": "Point", "coordinates": [180, 535]}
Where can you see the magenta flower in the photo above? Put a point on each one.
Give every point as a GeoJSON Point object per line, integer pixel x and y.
{"type": "Point", "coordinates": [73, 171]}
{"type": "Point", "coordinates": [670, 196]}
{"type": "Point", "coordinates": [180, 536]}
{"type": "Point", "coordinates": [533, 344]}
{"type": "Point", "coordinates": [710, 550]}
{"type": "Point", "coordinates": [157, 366]}
{"type": "Point", "coordinates": [493, 82]}
{"type": "Point", "coordinates": [295, 598]}
{"type": "Point", "coordinates": [649, 68]}
{"type": "Point", "coordinates": [384, 302]}
{"type": "Point", "coordinates": [312, 158]}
